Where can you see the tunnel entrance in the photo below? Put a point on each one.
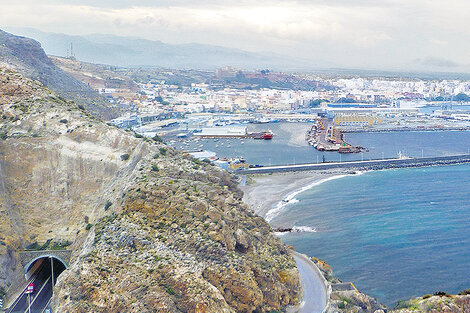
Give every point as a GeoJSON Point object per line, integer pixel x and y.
{"type": "Point", "coordinates": [47, 266]}
{"type": "Point", "coordinates": [41, 274]}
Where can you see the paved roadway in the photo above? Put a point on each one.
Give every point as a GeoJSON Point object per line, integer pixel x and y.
{"type": "Point", "coordinates": [41, 294]}
{"type": "Point", "coordinates": [314, 297]}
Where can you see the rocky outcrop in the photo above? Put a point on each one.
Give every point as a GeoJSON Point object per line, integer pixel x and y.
{"type": "Point", "coordinates": [151, 229]}
{"type": "Point", "coordinates": [345, 298]}
{"type": "Point", "coordinates": [440, 302]}
{"type": "Point", "coordinates": [26, 56]}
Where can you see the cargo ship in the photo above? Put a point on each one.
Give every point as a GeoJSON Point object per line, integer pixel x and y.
{"type": "Point", "coordinates": [266, 135]}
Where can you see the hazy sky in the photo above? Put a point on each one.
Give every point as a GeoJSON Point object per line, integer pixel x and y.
{"type": "Point", "coordinates": [390, 34]}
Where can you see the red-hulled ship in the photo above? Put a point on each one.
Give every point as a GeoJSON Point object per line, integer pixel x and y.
{"type": "Point", "coordinates": [266, 135]}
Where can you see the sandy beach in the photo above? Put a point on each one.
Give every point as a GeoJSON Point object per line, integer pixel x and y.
{"type": "Point", "coordinates": [264, 191]}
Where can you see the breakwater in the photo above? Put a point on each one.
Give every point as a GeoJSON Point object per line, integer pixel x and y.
{"type": "Point", "coordinates": [362, 165]}
{"type": "Point", "coordinates": [403, 129]}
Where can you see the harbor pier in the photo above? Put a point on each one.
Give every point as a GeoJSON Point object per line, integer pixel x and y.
{"type": "Point", "coordinates": [362, 165]}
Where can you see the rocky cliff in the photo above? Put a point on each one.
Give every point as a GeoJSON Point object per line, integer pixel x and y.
{"type": "Point", "coordinates": [345, 298]}
{"type": "Point", "coordinates": [26, 56]}
{"type": "Point", "coordinates": [151, 229]}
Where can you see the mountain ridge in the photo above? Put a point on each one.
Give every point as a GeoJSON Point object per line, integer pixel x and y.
{"type": "Point", "coordinates": [27, 56]}
{"type": "Point", "coordinates": [136, 52]}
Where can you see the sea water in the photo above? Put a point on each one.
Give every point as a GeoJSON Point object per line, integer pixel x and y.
{"type": "Point", "coordinates": [394, 233]}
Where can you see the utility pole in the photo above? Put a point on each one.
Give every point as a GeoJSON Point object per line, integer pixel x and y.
{"type": "Point", "coordinates": [29, 301]}
{"type": "Point", "coordinates": [52, 270]}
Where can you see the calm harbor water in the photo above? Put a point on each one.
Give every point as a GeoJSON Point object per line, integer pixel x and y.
{"type": "Point", "coordinates": [289, 146]}
{"type": "Point", "coordinates": [395, 233]}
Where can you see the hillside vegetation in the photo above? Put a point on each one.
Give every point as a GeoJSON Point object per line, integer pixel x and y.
{"type": "Point", "coordinates": [151, 229]}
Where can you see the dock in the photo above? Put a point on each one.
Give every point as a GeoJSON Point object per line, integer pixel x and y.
{"type": "Point", "coordinates": [362, 165]}
{"type": "Point", "coordinates": [233, 132]}
{"type": "Point", "coordinates": [324, 136]}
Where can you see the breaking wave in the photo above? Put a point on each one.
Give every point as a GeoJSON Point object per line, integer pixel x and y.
{"type": "Point", "coordinates": [290, 198]}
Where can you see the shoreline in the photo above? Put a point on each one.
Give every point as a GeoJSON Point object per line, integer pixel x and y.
{"type": "Point", "coordinates": [267, 191]}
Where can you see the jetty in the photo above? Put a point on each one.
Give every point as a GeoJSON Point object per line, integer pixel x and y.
{"type": "Point", "coordinates": [362, 165]}
{"type": "Point", "coordinates": [324, 136]}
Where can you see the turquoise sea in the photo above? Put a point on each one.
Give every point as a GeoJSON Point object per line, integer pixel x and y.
{"type": "Point", "coordinates": [394, 233]}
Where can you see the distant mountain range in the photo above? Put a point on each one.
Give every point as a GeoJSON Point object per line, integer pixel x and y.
{"type": "Point", "coordinates": [131, 52]}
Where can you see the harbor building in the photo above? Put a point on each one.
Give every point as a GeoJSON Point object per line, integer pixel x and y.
{"type": "Point", "coordinates": [357, 120]}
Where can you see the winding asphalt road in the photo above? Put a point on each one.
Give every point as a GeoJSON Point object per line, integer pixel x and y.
{"type": "Point", "coordinates": [314, 297]}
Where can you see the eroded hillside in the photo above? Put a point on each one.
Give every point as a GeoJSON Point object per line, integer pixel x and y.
{"type": "Point", "coordinates": [27, 57]}
{"type": "Point", "coordinates": [151, 229]}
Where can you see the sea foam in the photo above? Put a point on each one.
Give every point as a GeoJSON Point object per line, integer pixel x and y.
{"type": "Point", "coordinates": [304, 229]}
{"type": "Point", "coordinates": [290, 198]}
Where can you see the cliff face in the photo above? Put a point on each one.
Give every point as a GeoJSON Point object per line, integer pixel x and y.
{"type": "Point", "coordinates": [151, 229]}
{"type": "Point", "coordinates": [26, 56]}
{"type": "Point", "coordinates": [345, 298]}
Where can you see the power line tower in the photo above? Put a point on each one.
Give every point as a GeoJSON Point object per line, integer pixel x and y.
{"type": "Point", "coordinates": [71, 56]}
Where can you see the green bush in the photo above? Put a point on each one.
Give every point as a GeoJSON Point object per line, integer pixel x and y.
{"type": "Point", "coordinates": [125, 157]}
{"type": "Point", "coordinates": [169, 290]}
{"type": "Point", "coordinates": [107, 205]}
{"type": "Point", "coordinates": [88, 226]}
{"type": "Point", "coordinates": [60, 246]}
{"type": "Point", "coordinates": [155, 168]}
{"type": "Point", "coordinates": [157, 138]}
{"type": "Point", "coordinates": [64, 121]}
{"type": "Point", "coordinates": [35, 246]}
{"type": "Point", "coordinates": [163, 151]}
{"type": "Point", "coordinates": [402, 304]}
